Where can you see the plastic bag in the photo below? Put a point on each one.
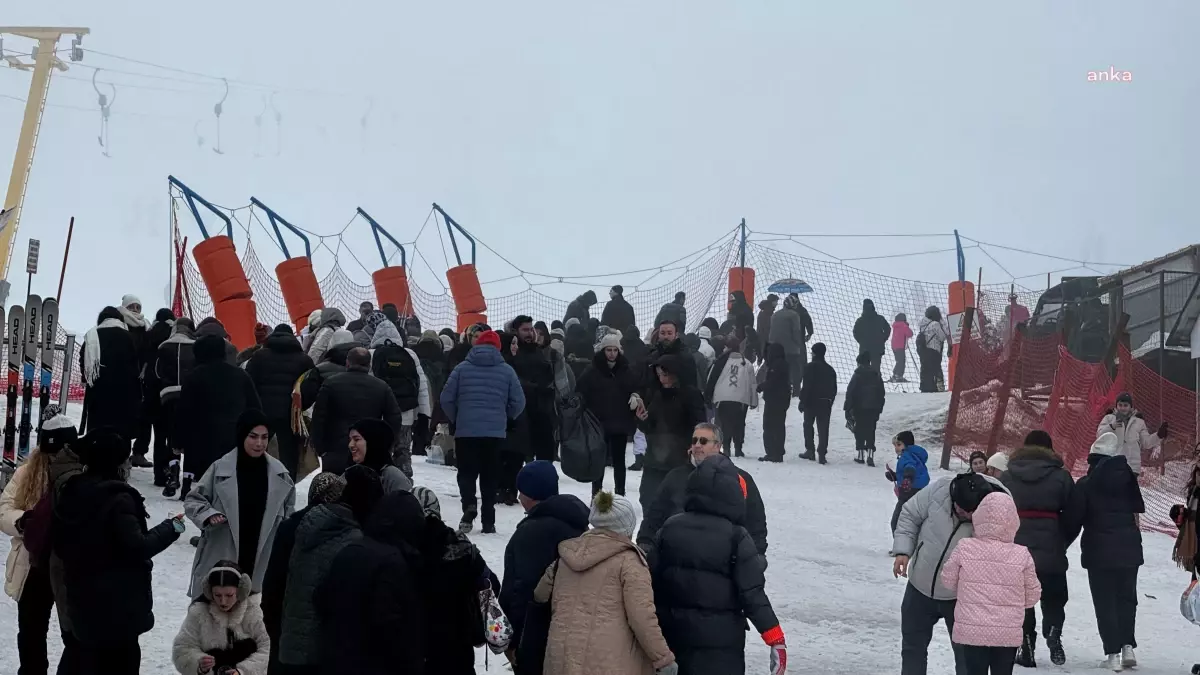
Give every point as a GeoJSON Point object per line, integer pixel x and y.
{"type": "Point", "coordinates": [584, 451]}
{"type": "Point", "coordinates": [497, 628]}
{"type": "Point", "coordinates": [435, 455]}
{"type": "Point", "coordinates": [1189, 604]}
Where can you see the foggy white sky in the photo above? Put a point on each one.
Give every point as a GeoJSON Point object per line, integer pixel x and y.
{"type": "Point", "coordinates": [592, 138]}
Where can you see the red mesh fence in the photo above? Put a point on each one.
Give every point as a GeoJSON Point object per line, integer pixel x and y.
{"type": "Point", "coordinates": [1035, 383]}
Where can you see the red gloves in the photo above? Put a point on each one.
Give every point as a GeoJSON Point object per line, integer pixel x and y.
{"type": "Point", "coordinates": [774, 639]}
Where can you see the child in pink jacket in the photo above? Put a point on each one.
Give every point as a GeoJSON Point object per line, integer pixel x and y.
{"type": "Point", "coordinates": [996, 582]}
{"type": "Point", "coordinates": [901, 333]}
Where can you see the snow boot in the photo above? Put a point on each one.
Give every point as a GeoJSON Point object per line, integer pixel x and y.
{"type": "Point", "coordinates": [140, 462]}
{"type": "Point", "coordinates": [468, 521]}
{"type": "Point", "coordinates": [738, 452]}
{"type": "Point", "coordinates": [810, 455]}
{"type": "Point", "coordinates": [821, 459]}
{"type": "Point", "coordinates": [860, 459]}
{"type": "Point", "coordinates": [871, 457]}
{"type": "Point", "coordinates": [1054, 641]}
{"type": "Point", "coordinates": [489, 529]}
{"type": "Point", "coordinates": [770, 458]}
{"type": "Point", "coordinates": [1113, 662]}
{"type": "Point", "coordinates": [637, 463]}
{"type": "Point", "coordinates": [1128, 658]}
{"type": "Point", "coordinates": [172, 485]}
{"type": "Point", "coordinates": [1025, 655]}
{"type": "Point", "coordinates": [185, 488]}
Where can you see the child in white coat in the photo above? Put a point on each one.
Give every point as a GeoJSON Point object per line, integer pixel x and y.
{"type": "Point", "coordinates": [223, 633]}
{"type": "Point", "coordinates": [733, 389]}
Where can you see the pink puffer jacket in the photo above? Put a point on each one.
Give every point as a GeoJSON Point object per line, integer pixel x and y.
{"type": "Point", "coordinates": [994, 578]}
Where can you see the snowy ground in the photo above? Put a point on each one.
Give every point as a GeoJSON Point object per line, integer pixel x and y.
{"type": "Point", "coordinates": [830, 576]}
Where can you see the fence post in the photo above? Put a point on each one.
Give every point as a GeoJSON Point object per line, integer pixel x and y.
{"type": "Point", "coordinates": [1014, 355]}
{"type": "Point", "coordinates": [955, 393]}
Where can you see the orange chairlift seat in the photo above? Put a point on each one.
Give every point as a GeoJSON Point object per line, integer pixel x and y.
{"type": "Point", "coordinates": [391, 283]}
{"type": "Point", "coordinates": [297, 281]}
{"type": "Point", "coordinates": [216, 258]}
{"type": "Point", "coordinates": [464, 279]}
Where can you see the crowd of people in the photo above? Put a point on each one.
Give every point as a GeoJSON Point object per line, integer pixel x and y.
{"type": "Point", "coordinates": [368, 578]}
{"type": "Point", "coordinates": [981, 549]}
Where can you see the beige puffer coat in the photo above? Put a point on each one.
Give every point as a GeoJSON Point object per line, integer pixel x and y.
{"type": "Point", "coordinates": [17, 568]}
{"type": "Point", "coordinates": [603, 609]}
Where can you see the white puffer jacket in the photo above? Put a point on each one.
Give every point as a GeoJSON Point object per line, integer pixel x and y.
{"type": "Point", "coordinates": [1135, 437]}
{"type": "Point", "coordinates": [207, 628]}
{"type": "Point", "coordinates": [736, 382]}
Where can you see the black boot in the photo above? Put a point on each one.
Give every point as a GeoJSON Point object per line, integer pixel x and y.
{"type": "Point", "coordinates": [1025, 655]}
{"type": "Point", "coordinates": [871, 457]}
{"type": "Point", "coordinates": [821, 459]}
{"type": "Point", "coordinates": [770, 458]}
{"type": "Point", "coordinates": [187, 487]}
{"type": "Point", "coordinates": [172, 485]}
{"type": "Point", "coordinates": [140, 462]}
{"type": "Point", "coordinates": [810, 455]}
{"type": "Point", "coordinates": [1054, 641]}
{"type": "Point", "coordinates": [467, 523]}
{"type": "Point", "coordinates": [637, 463]}
{"type": "Point", "coordinates": [738, 452]}
{"type": "Point", "coordinates": [859, 459]}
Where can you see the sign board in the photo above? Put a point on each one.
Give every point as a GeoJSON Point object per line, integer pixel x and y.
{"type": "Point", "coordinates": [31, 262]}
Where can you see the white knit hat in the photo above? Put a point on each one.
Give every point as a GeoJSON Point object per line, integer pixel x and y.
{"type": "Point", "coordinates": [609, 340]}
{"type": "Point", "coordinates": [1108, 445]}
{"type": "Point", "coordinates": [998, 461]}
{"type": "Point", "coordinates": [613, 512]}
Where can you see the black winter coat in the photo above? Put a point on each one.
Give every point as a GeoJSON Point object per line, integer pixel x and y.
{"type": "Point", "coordinates": [580, 308]}
{"type": "Point", "coordinates": [871, 330]}
{"type": "Point", "coordinates": [672, 496]}
{"type": "Point", "coordinates": [175, 362]}
{"type": "Point", "coordinates": [158, 333]}
{"type": "Point", "coordinates": [1103, 504]}
{"type": "Point", "coordinates": [766, 310]}
{"type": "Point", "coordinates": [1041, 489]}
{"type": "Point", "coordinates": [708, 577]}
{"type": "Point", "coordinates": [531, 549]}
{"type": "Point", "coordinates": [673, 312]}
{"type": "Point", "coordinates": [606, 393]}
{"type": "Point", "coordinates": [618, 313]}
{"type": "Point", "coordinates": [275, 578]}
{"type": "Point", "coordinates": [344, 399]}
{"type": "Point", "coordinates": [274, 370]}
{"type": "Point", "coordinates": [636, 352]}
{"type": "Point", "coordinates": [776, 385]}
{"type": "Point", "coordinates": [687, 378]}
{"type": "Point", "coordinates": [369, 603]}
{"type": "Point", "coordinates": [672, 415]}
{"type": "Point", "coordinates": [820, 386]}
{"type": "Point", "coordinates": [331, 364]}
{"type": "Point", "coordinates": [214, 396]}
{"type": "Point", "coordinates": [865, 391]}
{"type": "Point", "coordinates": [451, 576]}
{"type": "Point", "coordinates": [115, 399]}
{"type": "Point", "coordinates": [100, 535]}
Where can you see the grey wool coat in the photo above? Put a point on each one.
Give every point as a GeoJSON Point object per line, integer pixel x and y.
{"type": "Point", "coordinates": [217, 493]}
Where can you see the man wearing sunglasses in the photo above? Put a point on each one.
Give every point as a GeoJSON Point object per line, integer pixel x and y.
{"type": "Point", "coordinates": [706, 442]}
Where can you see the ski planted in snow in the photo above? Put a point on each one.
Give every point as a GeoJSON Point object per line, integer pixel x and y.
{"type": "Point", "coordinates": [33, 309]}
{"type": "Point", "coordinates": [16, 329]}
{"type": "Point", "coordinates": [49, 337]}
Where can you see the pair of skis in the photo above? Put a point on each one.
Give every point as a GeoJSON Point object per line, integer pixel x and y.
{"type": "Point", "coordinates": [31, 347]}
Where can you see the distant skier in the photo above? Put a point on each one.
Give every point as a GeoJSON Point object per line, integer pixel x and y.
{"type": "Point", "coordinates": [871, 331]}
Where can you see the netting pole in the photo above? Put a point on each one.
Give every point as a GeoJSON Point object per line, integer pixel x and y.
{"type": "Point", "coordinates": [1014, 354]}
{"type": "Point", "coordinates": [743, 249]}
{"type": "Point", "coordinates": [955, 392]}
{"type": "Point", "coordinates": [1162, 333]}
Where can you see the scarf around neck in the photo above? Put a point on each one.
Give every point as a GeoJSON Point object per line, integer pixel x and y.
{"type": "Point", "coordinates": [132, 319]}
{"type": "Point", "coordinates": [91, 349]}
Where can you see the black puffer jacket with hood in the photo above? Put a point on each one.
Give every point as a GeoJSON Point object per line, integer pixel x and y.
{"type": "Point", "coordinates": [275, 369]}
{"type": "Point", "coordinates": [871, 330]}
{"type": "Point", "coordinates": [214, 396]}
{"type": "Point", "coordinates": [1041, 489]}
{"type": "Point", "coordinates": [708, 576]}
{"type": "Point", "coordinates": [1103, 504]}
{"type": "Point", "coordinates": [580, 307]}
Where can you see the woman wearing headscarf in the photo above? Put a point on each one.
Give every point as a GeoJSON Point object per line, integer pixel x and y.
{"type": "Point", "coordinates": [109, 366]}
{"type": "Point", "coordinates": [371, 445]}
{"type": "Point", "coordinates": [238, 505]}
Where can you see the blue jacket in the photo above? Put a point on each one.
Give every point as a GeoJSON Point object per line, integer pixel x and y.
{"type": "Point", "coordinates": [911, 472]}
{"type": "Point", "coordinates": [482, 395]}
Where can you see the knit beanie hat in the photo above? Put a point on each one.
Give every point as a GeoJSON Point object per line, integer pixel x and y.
{"type": "Point", "coordinates": [998, 461]}
{"type": "Point", "coordinates": [325, 488]}
{"type": "Point", "coordinates": [57, 432]}
{"type": "Point", "coordinates": [613, 512]}
{"type": "Point", "coordinates": [362, 492]}
{"type": "Point", "coordinates": [1125, 397]}
{"type": "Point", "coordinates": [428, 500]}
{"type": "Point", "coordinates": [488, 337]}
{"type": "Point", "coordinates": [791, 301]}
{"type": "Point", "coordinates": [538, 480]}
{"type": "Point", "coordinates": [340, 336]}
{"type": "Point", "coordinates": [968, 489]}
{"type": "Point", "coordinates": [246, 423]}
{"type": "Point", "coordinates": [1108, 445]}
{"type": "Point", "coordinates": [104, 449]}
{"type": "Point", "coordinates": [1039, 439]}
{"type": "Point", "coordinates": [609, 340]}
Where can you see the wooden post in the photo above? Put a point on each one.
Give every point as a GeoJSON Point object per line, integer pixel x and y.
{"type": "Point", "coordinates": [955, 389]}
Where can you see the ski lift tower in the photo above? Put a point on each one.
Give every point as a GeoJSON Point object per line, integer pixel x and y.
{"type": "Point", "coordinates": [45, 61]}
